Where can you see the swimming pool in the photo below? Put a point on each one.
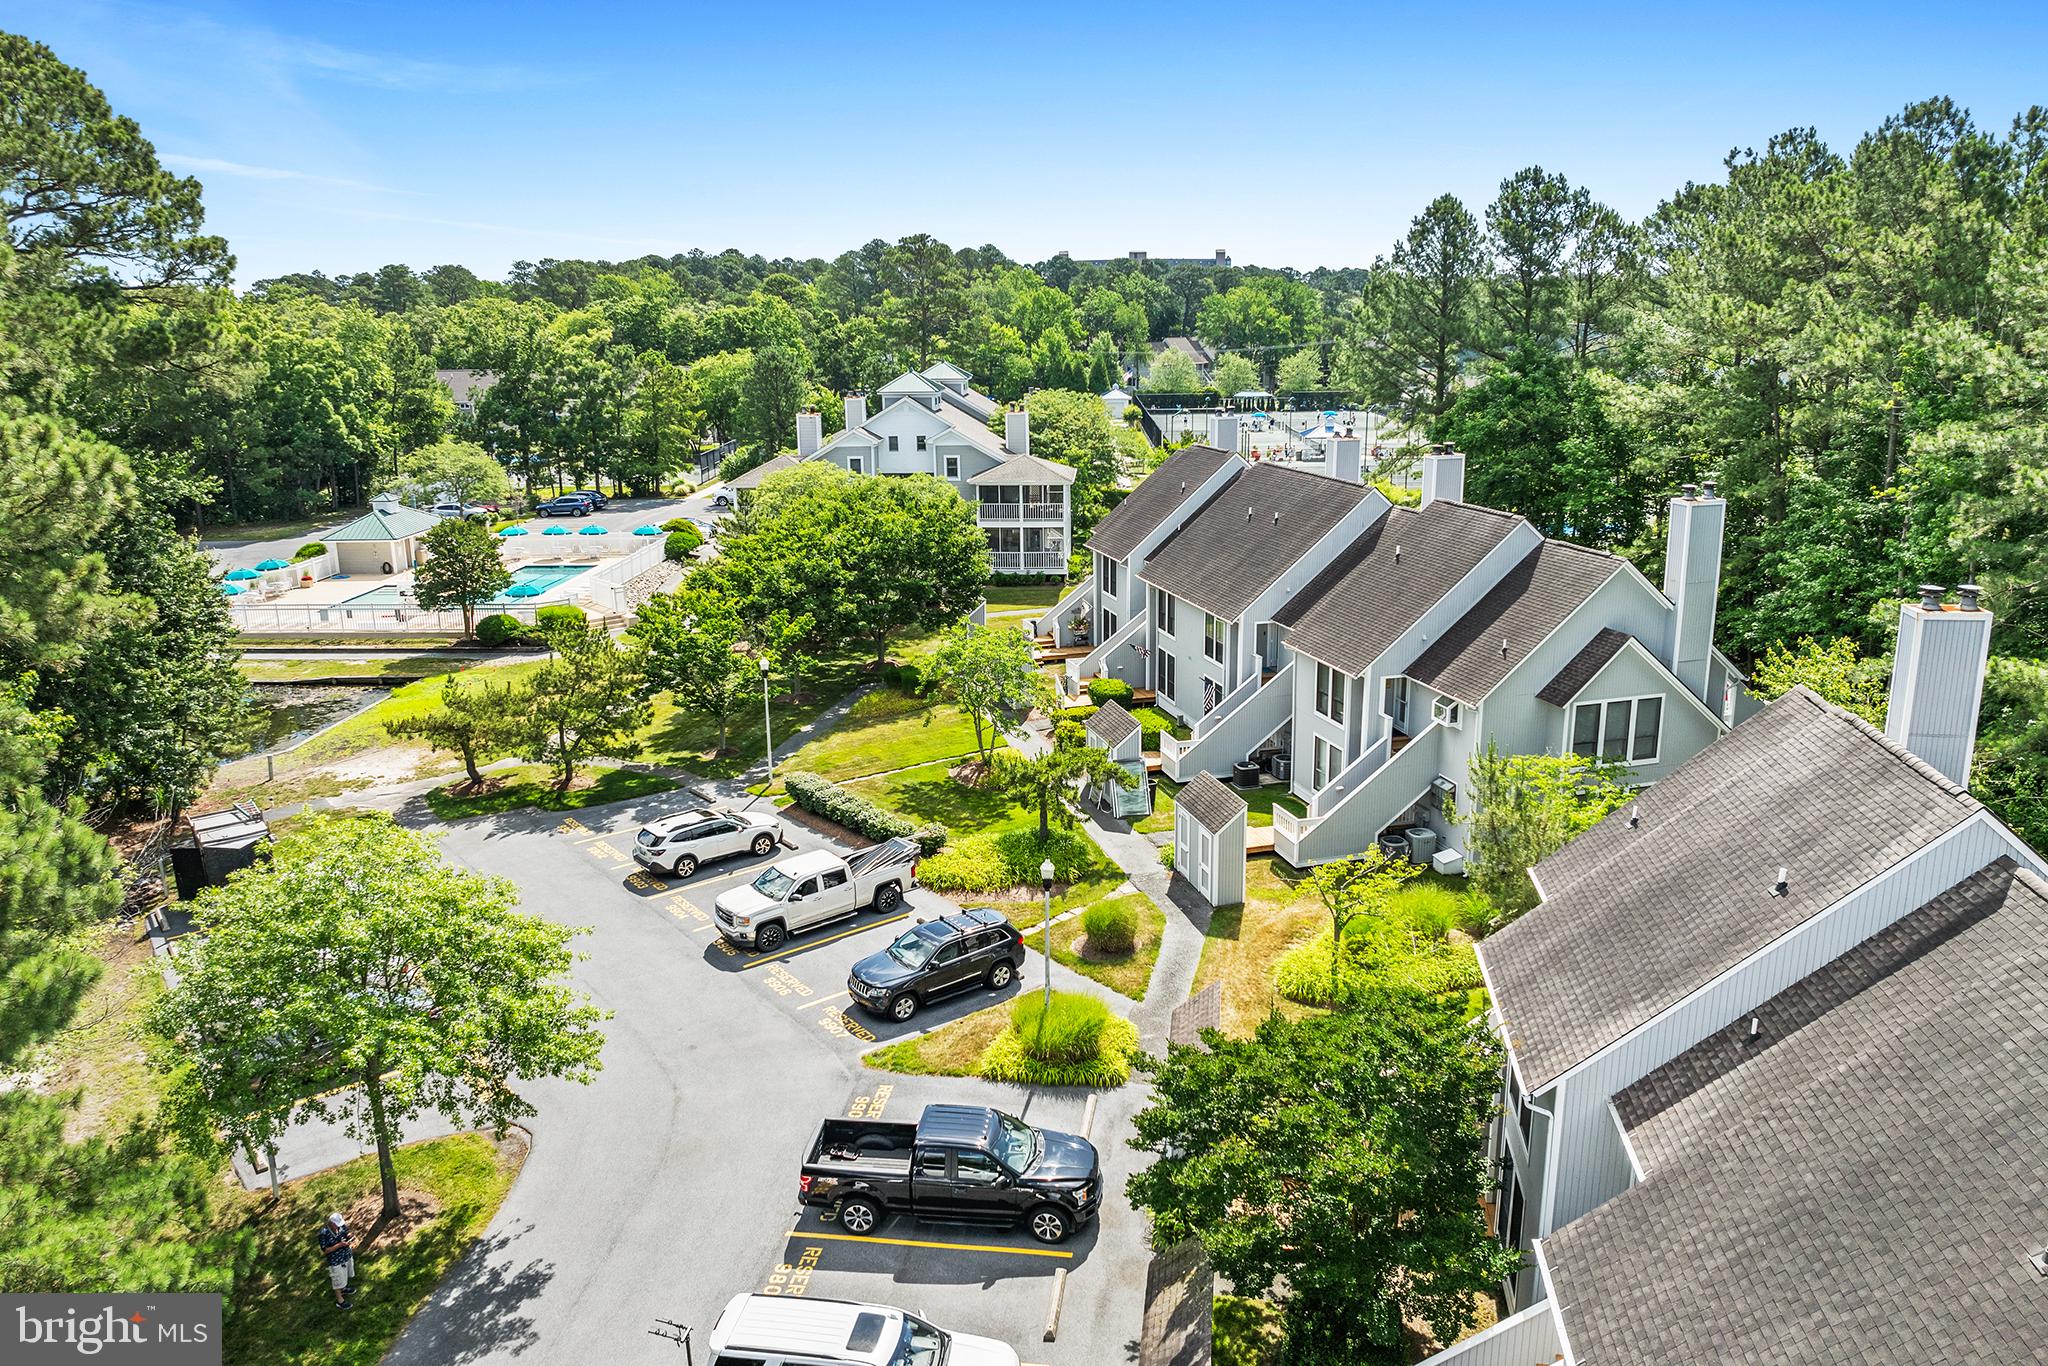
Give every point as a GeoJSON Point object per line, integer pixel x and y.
{"type": "Point", "coordinates": [545, 577]}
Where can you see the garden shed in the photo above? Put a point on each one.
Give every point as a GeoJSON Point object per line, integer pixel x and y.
{"type": "Point", "coordinates": [1209, 823]}
{"type": "Point", "coordinates": [384, 540]}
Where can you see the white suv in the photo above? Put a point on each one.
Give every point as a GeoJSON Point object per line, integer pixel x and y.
{"type": "Point", "coordinates": [679, 845]}
{"type": "Point", "coordinates": [787, 1330]}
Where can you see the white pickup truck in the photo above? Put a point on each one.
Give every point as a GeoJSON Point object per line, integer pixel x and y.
{"type": "Point", "coordinates": [812, 889]}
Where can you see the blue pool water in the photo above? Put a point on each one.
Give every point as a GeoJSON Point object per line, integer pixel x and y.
{"type": "Point", "coordinates": [545, 577]}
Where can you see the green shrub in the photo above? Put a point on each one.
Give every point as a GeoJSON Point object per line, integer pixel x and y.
{"type": "Point", "coordinates": [1154, 723]}
{"type": "Point", "coordinates": [1066, 1029]}
{"type": "Point", "coordinates": [502, 628]}
{"type": "Point", "coordinates": [1433, 909]}
{"type": "Point", "coordinates": [1080, 713]}
{"type": "Point", "coordinates": [740, 461]}
{"type": "Point", "coordinates": [1010, 858]}
{"type": "Point", "coordinates": [1069, 735]}
{"type": "Point", "coordinates": [678, 523]}
{"type": "Point", "coordinates": [1377, 952]}
{"type": "Point", "coordinates": [1166, 857]}
{"type": "Point", "coordinates": [559, 614]}
{"type": "Point", "coordinates": [310, 550]}
{"type": "Point", "coordinates": [863, 817]}
{"type": "Point", "coordinates": [907, 675]}
{"type": "Point", "coordinates": [678, 546]}
{"type": "Point", "coordinates": [1102, 690]}
{"type": "Point", "coordinates": [1112, 926]}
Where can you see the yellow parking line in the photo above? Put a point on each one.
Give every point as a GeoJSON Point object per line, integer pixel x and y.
{"type": "Point", "coordinates": [595, 838]}
{"type": "Point", "coordinates": [833, 997]}
{"type": "Point", "coordinates": [828, 939]}
{"type": "Point", "coordinates": [945, 1247]}
{"type": "Point", "coordinates": [696, 928]}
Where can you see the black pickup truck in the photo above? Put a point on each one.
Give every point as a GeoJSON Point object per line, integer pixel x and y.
{"type": "Point", "coordinates": [958, 1164]}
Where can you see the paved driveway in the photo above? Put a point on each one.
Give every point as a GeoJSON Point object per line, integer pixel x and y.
{"type": "Point", "coordinates": [669, 1184]}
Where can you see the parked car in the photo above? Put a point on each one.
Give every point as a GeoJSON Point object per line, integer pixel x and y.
{"type": "Point", "coordinates": [681, 844]}
{"type": "Point", "coordinates": [814, 889]}
{"type": "Point", "coordinates": [568, 505]}
{"type": "Point", "coordinates": [958, 1164]}
{"type": "Point", "coordinates": [597, 499]}
{"type": "Point", "coordinates": [476, 512]}
{"type": "Point", "coordinates": [793, 1330]}
{"type": "Point", "coordinates": [722, 501]}
{"type": "Point", "coordinates": [975, 947]}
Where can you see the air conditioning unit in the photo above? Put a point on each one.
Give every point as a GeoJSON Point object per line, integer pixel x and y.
{"type": "Point", "coordinates": [1282, 766]}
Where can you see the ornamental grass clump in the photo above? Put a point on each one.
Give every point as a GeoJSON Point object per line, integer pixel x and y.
{"type": "Point", "coordinates": [1111, 926]}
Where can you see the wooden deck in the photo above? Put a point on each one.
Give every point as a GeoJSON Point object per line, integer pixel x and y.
{"type": "Point", "coordinates": [1258, 839]}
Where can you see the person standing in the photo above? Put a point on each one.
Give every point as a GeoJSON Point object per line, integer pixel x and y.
{"type": "Point", "coordinates": [338, 1247]}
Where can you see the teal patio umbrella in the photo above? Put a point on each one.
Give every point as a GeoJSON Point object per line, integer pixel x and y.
{"type": "Point", "coordinates": [646, 531]}
{"type": "Point", "coordinates": [596, 531]}
{"type": "Point", "coordinates": [556, 531]}
{"type": "Point", "coordinates": [274, 564]}
{"type": "Point", "coordinates": [513, 531]}
{"type": "Point", "coordinates": [242, 575]}
{"type": "Point", "coordinates": [231, 590]}
{"type": "Point", "coordinates": [522, 590]}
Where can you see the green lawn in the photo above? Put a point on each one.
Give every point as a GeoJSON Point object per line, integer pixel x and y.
{"type": "Point", "coordinates": [101, 1054]}
{"type": "Point", "coordinates": [401, 669]}
{"type": "Point", "coordinates": [303, 527]}
{"type": "Point", "coordinates": [282, 1312]}
{"type": "Point", "coordinates": [686, 740]}
{"type": "Point", "coordinates": [534, 785]}
{"type": "Point", "coordinates": [1029, 914]}
{"type": "Point", "coordinates": [1245, 1332]}
{"type": "Point", "coordinates": [886, 729]}
{"type": "Point", "coordinates": [1039, 595]}
{"type": "Point", "coordinates": [1129, 975]}
{"type": "Point", "coordinates": [975, 818]}
{"type": "Point", "coordinates": [969, 1047]}
{"type": "Point", "coordinates": [1259, 803]}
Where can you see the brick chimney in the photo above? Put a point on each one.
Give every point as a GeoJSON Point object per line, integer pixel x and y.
{"type": "Point", "coordinates": [1692, 580]}
{"type": "Point", "coordinates": [1938, 679]}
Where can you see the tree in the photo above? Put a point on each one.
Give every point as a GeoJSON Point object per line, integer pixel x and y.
{"type": "Point", "coordinates": [1354, 887]}
{"type": "Point", "coordinates": [465, 566]}
{"type": "Point", "coordinates": [1419, 315]}
{"type": "Point", "coordinates": [1341, 1157]}
{"type": "Point", "coordinates": [1301, 372]}
{"type": "Point", "coordinates": [691, 641]}
{"type": "Point", "coordinates": [1173, 372]}
{"type": "Point", "coordinates": [1046, 780]}
{"type": "Point", "coordinates": [1234, 375]}
{"type": "Point", "coordinates": [991, 673]}
{"type": "Point", "coordinates": [1831, 669]}
{"type": "Point", "coordinates": [460, 471]}
{"type": "Point", "coordinates": [774, 391]}
{"type": "Point", "coordinates": [1528, 228]}
{"type": "Point", "coordinates": [588, 698]}
{"type": "Point", "coordinates": [476, 721]}
{"type": "Point", "coordinates": [357, 957]}
{"type": "Point", "coordinates": [924, 293]}
{"type": "Point", "coordinates": [1525, 807]}
{"type": "Point", "coordinates": [1074, 429]}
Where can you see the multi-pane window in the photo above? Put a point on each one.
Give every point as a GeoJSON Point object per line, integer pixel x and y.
{"type": "Point", "coordinates": [1213, 636]}
{"type": "Point", "coordinates": [921, 443]}
{"type": "Point", "coordinates": [1166, 674]}
{"type": "Point", "coordinates": [1329, 692]}
{"type": "Point", "coordinates": [952, 466]}
{"type": "Point", "coordinates": [1628, 730]}
{"type": "Point", "coordinates": [1109, 569]}
{"type": "Point", "coordinates": [892, 443]}
{"type": "Point", "coordinates": [1162, 613]}
{"type": "Point", "coordinates": [1328, 763]}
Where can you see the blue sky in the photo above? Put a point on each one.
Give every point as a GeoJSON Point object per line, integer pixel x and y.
{"type": "Point", "coordinates": [343, 134]}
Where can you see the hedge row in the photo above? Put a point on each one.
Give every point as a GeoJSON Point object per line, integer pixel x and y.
{"type": "Point", "coordinates": [858, 814]}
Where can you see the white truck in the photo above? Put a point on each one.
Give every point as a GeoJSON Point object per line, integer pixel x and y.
{"type": "Point", "coordinates": [813, 889]}
{"type": "Point", "coordinates": [784, 1330]}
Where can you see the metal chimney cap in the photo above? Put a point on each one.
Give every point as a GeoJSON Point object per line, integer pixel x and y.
{"type": "Point", "coordinates": [1709, 486]}
{"type": "Point", "coordinates": [1930, 596]}
{"type": "Point", "coordinates": [1688, 490]}
{"type": "Point", "coordinates": [1967, 595]}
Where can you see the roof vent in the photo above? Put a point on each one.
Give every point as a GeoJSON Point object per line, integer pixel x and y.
{"type": "Point", "coordinates": [1967, 595]}
{"type": "Point", "coordinates": [1783, 884]}
{"type": "Point", "coordinates": [1276, 516]}
{"type": "Point", "coordinates": [1635, 817]}
{"type": "Point", "coordinates": [1397, 554]}
{"type": "Point", "coordinates": [1689, 490]}
{"type": "Point", "coordinates": [1756, 1028]}
{"type": "Point", "coordinates": [1503, 647]}
{"type": "Point", "coordinates": [1709, 486]}
{"type": "Point", "coordinates": [2040, 1261]}
{"type": "Point", "coordinates": [1930, 596]}
{"type": "Point", "coordinates": [1247, 513]}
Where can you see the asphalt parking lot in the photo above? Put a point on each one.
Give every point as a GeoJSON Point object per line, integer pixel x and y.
{"type": "Point", "coordinates": [669, 1184]}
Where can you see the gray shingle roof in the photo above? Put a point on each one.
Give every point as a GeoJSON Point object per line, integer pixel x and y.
{"type": "Point", "coordinates": [1633, 920]}
{"type": "Point", "coordinates": [977, 406]}
{"type": "Point", "coordinates": [1247, 536]}
{"type": "Point", "coordinates": [1579, 670]}
{"type": "Point", "coordinates": [753, 477]}
{"type": "Point", "coordinates": [1862, 1184]}
{"type": "Point", "coordinates": [379, 525]}
{"type": "Point", "coordinates": [1382, 583]}
{"type": "Point", "coordinates": [1154, 500]}
{"type": "Point", "coordinates": [1112, 725]}
{"type": "Point", "coordinates": [1213, 805]}
{"type": "Point", "coordinates": [1026, 469]}
{"type": "Point", "coordinates": [1530, 601]}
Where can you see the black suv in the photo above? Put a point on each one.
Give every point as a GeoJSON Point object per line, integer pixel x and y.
{"type": "Point", "coordinates": [597, 500]}
{"type": "Point", "coordinates": [975, 947]}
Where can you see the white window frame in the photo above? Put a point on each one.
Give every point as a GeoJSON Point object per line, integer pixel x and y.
{"type": "Point", "coordinates": [1604, 704]}
{"type": "Point", "coordinates": [1168, 671]}
{"type": "Point", "coordinates": [1330, 686]}
{"type": "Point", "coordinates": [952, 465]}
{"type": "Point", "coordinates": [1328, 762]}
{"type": "Point", "coordinates": [1163, 613]}
{"type": "Point", "coordinates": [1109, 569]}
{"type": "Point", "coordinates": [1215, 637]}
{"type": "Point", "coordinates": [1447, 711]}
{"type": "Point", "coordinates": [854, 465]}
{"type": "Point", "coordinates": [923, 443]}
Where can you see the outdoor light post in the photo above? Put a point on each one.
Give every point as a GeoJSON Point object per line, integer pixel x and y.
{"type": "Point", "coordinates": [767, 722]}
{"type": "Point", "coordinates": [1045, 881]}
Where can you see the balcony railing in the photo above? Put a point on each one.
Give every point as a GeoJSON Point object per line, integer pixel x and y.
{"type": "Point", "coordinates": [1027, 561]}
{"type": "Point", "coordinates": [1023, 512]}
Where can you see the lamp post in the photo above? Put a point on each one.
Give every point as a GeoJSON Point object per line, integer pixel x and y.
{"type": "Point", "coordinates": [767, 722]}
{"type": "Point", "coordinates": [1045, 881]}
